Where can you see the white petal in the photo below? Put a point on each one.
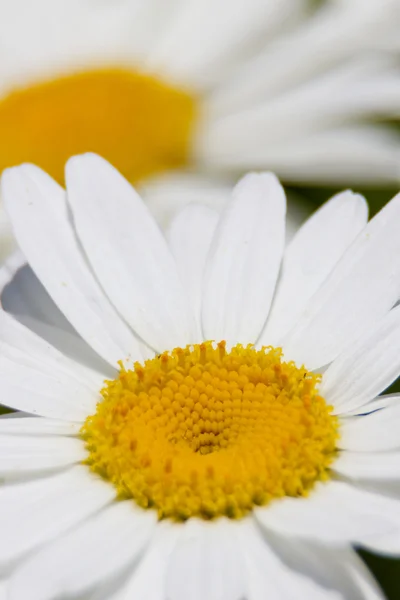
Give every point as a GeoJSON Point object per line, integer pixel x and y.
{"type": "Point", "coordinates": [23, 425]}
{"type": "Point", "coordinates": [388, 545]}
{"type": "Point", "coordinates": [206, 563]}
{"type": "Point", "coordinates": [143, 583]}
{"type": "Point", "coordinates": [93, 553]}
{"type": "Point", "coordinates": [268, 575]}
{"type": "Point", "coordinates": [10, 266]}
{"type": "Point", "coordinates": [20, 454]}
{"type": "Point", "coordinates": [4, 590]}
{"type": "Point", "coordinates": [244, 259]}
{"type": "Point", "coordinates": [366, 368]}
{"type": "Point", "coordinates": [35, 386]}
{"type": "Point", "coordinates": [35, 512]}
{"type": "Point", "coordinates": [133, 262]}
{"type": "Point", "coordinates": [364, 285]}
{"type": "Point", "coordinates": [371, 405]}
{"type": "Point", "coordinates": [322, 39]}
{"type": "Point", "coordinates": [339, 95]}
{"type": "Point", "coordinates": [37, 208]}
{"type": "Point", "coordinates": [36, 350]}
{"type": "Point", "coordinates": [368, 465]}
{"type": "Point", "coordinates": [28, 301]}
{"type": "Point", "coordinates": [349, 155]}
{"type": "Point", "coordinates": [335, 513]}
{"type": "Point", "coordinates": [375, 432]}
{"type": "Point", "coordinates": [197, 51]}
{"type": "Point", "coordinates": [363, 577]}
{"type": "Point", "coordinates": [170, 192]}
{"type": "Point", "coordinates": [189, 237]}
{"type": "Point", "coordinates": [339, 571]}
{"type": "Point", "coordinates": [311, 256]}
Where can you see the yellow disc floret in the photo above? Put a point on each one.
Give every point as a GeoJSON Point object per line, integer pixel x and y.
{"type": "Point", "coordinates": [204, 432]}
{"type": "Point", "coordinates": [136, 122]}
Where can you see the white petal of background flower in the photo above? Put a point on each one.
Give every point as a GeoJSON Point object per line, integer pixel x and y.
{"type": "Point", "coordinates": [343, 93]}
{"type": "Point", "coordinates": [288, 120]}
{"type": "Point", "coordinates": [197, 50]}
{"type": "Point", "coordinates": [54, 36]}
{"type": "Point", "coordinates": [311, 256]}
{"type": "Point", "coordinates": [39, 214]}
{"type": "Point", "coordinates": [190, 235]}
{"type": "Point", "coordinates": [93, 553]}
{"type": "Point", "coordinates": [364, 285]}
{"type": "Point", "coordinates": [244, 259]}
{"type": "Point", "coordinates": [206, 563]}
{"type": "Point", "coordinates": [34, 512]}
{"type": "Point", "coordinates": [128, 253]}
{"type": "Point", "coordinates": [339, 30]}
{"type": "Point", "coordinates": [350, 153]}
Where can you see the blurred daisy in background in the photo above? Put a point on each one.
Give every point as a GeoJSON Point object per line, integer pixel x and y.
{"type": "Point", "coordinates": [242, 469]}
{"type": "Point", "coordinates": [170, 90]}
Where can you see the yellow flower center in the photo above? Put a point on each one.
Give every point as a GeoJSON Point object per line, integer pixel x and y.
{"type": "Point", "coordinates": [137, 123]}
{"type": "Point", "coordinates": [204, 432]}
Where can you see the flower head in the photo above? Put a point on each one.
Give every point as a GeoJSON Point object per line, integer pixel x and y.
{"type": "Point", "coordinates": [230, 442]}
{"type": "Point", "coordinates": [280, 85]}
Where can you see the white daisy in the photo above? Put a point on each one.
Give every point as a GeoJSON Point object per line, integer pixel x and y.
{"type": "Point", "coordinates": [208, 85]}
{"type": "Point", "coordinates": [213, 470]}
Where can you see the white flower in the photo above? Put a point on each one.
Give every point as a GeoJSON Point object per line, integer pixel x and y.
{"type": "Point", "coordinates": [263, 427]}
{"type": "Point", "coordinates": [277, 84]}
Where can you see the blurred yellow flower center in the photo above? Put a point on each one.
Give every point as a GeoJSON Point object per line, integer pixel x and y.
{"type": "Point", "coordinates": [204, 432]}
{"type": "Point", "coordinates": [137, 123]}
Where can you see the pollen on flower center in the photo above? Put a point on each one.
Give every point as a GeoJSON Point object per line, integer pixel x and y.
{"type": "Point", "coordinates": [136, 122]}
{"type": "Point", "coordinates": [204, 432]}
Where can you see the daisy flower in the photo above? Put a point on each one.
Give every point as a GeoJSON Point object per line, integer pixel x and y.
{"type": "Point", "coordinates": [210, 86]}
{"type": "Point", "coordinates": [231, 443]}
